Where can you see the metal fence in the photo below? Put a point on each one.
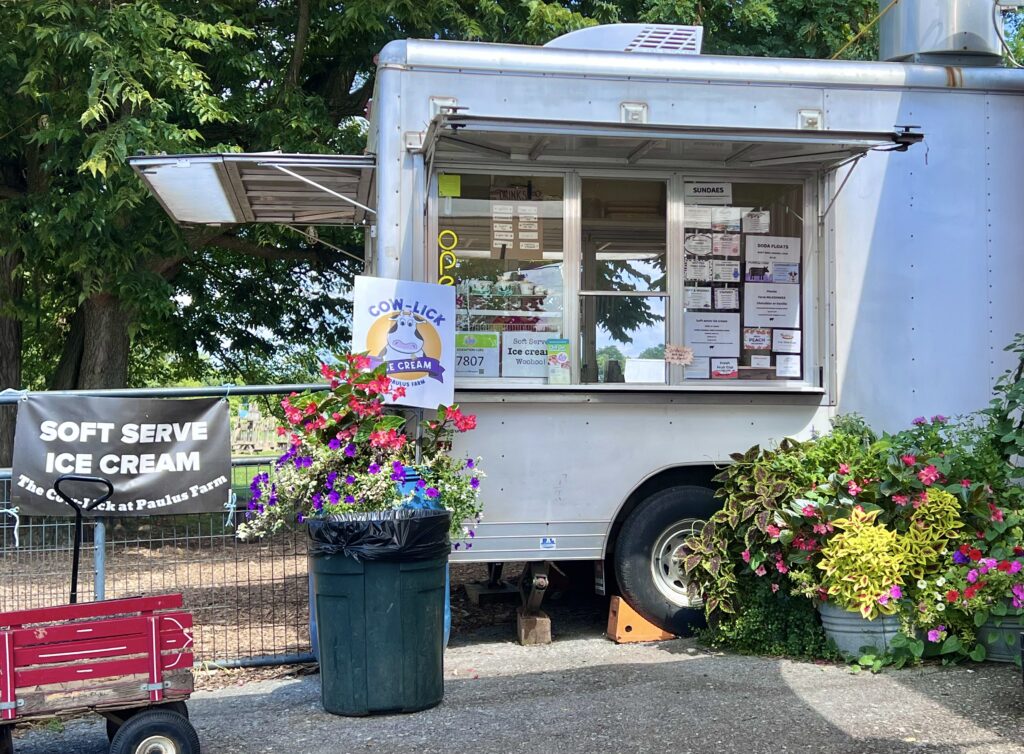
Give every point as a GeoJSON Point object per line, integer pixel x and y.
{"type": "Point", "coordinates": [250, 599]}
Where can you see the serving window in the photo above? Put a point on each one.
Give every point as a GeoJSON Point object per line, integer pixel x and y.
{"type": "Point", "coordinates": [594, 279]}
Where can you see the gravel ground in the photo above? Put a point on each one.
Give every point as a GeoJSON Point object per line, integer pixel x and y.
{"type": "Point", "coordinates": [584, 694]}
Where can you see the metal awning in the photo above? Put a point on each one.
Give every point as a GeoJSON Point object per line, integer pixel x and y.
{"type": "Point", "coordinates": [271, 187]}
{"type": "Point", "coordinates": [455, 136]}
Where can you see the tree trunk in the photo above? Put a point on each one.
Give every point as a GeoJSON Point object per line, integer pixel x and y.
{"type": "Point", "coordinates": [11, 288]}
{"type": "Point", "coordinates": [105, 343]}
{"type": "Point", "coordinates": [65, 376]}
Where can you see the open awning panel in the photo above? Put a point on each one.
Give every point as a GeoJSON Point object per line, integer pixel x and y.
{"type": "Point", "coordinates": [224, 189]}
{"type": "Point", "coordinates": [461, 137]}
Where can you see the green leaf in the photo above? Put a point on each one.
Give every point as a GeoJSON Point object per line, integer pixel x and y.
{"type": "Point", "coordinates": [978, 653]}
{"type": "Point", "coordinates": [951, 644]}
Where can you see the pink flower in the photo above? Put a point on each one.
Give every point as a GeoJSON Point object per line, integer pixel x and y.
{"type": "Point", "coordinates": [937, 634]}
{"type": "Point", "coordinates": [972, 575]}
{"type": "Point", "coordinates": [773, 531]}
{"type": "Point", "coordinates": [760, 570]}
{"type": "Point", "coordinates": [908, 460]}
{"type": "Point", "coordinates": [896, 593]}
{"type": "Point", "coordinates": [781, 566]}
{"type": "Point", "coordinates": [1015, 566]}
{"type": "Point", "coordinates": [745, 555]}
{"type": "Point", "coordinates": [965, 482]}
{"type": "Point", "coordinates": [997, 514]}
{"type": "Point", "coordinates": [883, 599]}
{"type": "Point", "coordinates": [900, 499]}
{"type": "Point", "coordinates": [928, 475]}
{"type": "Point", "coordinates": [852, 488]}
{"type": "Point", "coordinates": [844, 468]}
{"type": "Point", "coordinates": [775, 587]}
{"type": "Point", "coordinates": [809, 511]}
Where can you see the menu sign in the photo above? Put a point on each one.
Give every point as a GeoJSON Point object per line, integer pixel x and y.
{"type": "Point", "coordinates": [516, 225]}
{"type": "Point", "coordinates": [713, 334]}
{"type": "Point", "coordinates": [771, 305]}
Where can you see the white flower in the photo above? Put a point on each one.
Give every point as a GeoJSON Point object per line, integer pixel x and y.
{"type": "Point", "coordinates": [941, 581]}
{"type": "Point", "coordinates": [940, 606]}
{"type": "Point", "coordinates": [922, 584]}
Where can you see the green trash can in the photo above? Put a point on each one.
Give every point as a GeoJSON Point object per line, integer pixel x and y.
{"type": "Point", "coordinates": [379, 589]}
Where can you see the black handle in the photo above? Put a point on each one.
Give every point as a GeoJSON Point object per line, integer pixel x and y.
{"type": "Point", "coordinates": [82, 478]}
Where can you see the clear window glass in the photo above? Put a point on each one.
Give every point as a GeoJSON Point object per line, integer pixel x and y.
{"type": "Point", "coordinates": [623, 284]}
{"type": "Point", "coordinates": [500, 243]}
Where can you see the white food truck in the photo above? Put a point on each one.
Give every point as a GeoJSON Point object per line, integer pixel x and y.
{"type": "Point", "coordinates": [812, 237]}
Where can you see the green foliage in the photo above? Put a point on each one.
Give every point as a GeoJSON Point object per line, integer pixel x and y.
{"type": "Point", "coordinates": [769, 623]}
{"type": "Point", "coordinates": [1006, 410]}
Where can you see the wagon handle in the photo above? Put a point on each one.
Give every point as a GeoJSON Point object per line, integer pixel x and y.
{"type": "Point", "coordinates": [78, 517]}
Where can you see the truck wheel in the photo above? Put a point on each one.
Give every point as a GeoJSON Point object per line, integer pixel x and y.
{"type": "Point", "coordinates": [155, 731]}
{"type": "Point", "coordinates": [113, 727]}
{"type": "Point", "coordinates": [650, 578]}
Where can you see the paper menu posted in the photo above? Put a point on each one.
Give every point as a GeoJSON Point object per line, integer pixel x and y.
{"type": "Point", "coordinates": [757, 339]}
{"type": "Point", "coordinates": [726, 219]}
{"type": "Point", "coordinates": [771, 305]}
{"type": "Point", "coordinates": [773, 272]}
{"type": "Point", "coordinates": [787, 366]}
{"type": "Point", "coordinates": [761, 362]}
{"type": "Point", "coordinates": [698, 244]}
{"type": "Point", "coordinates": [713, 334]}
{"type": "Point", "coordinates": [725, 271]}
{"type": "Point", "coordinates": [476, 354]}
{"type": "Point", "coordinates": [724, 369]}
{"type": "Point", "coordinates": [772, 249]}
{"type": "Point", "coordinates": [697, 269]}
{"type": "Point", "coordinates": [725, 244]}
{"type": "Point", "coordinates": [525, 354]}
{"type": "Point", "coordinates": [757, 222]}
{"type": "Point", "coordinates": [786, 341]}
{"type": "Point", "coordinates": [697, 216]}
{"type": "Point", "coordinates": [698, 297]}
{"type": "Point", "coordinates": [698, 369]}
{"type": "Point", "coordinates": [727, 298]}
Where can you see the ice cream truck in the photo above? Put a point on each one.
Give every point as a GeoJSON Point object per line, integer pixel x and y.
{"type": "Point", "coordinates": [662, 257]}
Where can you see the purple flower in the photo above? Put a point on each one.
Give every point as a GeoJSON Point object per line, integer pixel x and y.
{"type": "Point", "coordinates": [896, 593]}
{"type": "Point", "coordinates": [959, 558]}
{"type": "Point", "coordinates": [252, 505]}
{"type": "Point", "coordinates": [373, 468]}
{"type": "Point", "coordinates": [1015, 566]}
{"type": "Point", "coordinates": [919, 421]}
{"type": "Point", "coordinates": [349, 499]}
{"type": "Point", "coordinates": [939, 419]}
{"type": "Point", "coordinates": [334, 497]}
{"type": "Point", "coordinates": [318, 503]}
{"type": "Point", "coordinates": [397, 472]}
{"type": "Point", "coordinates": [350, 479]}
{"type": "Point", "coordinates": [334, 444]}
{"type": "Point", "coordinates": [331, 477]}
{"type": "Point", "coordinates": [936, 634]}
{"type": "Point", "coordinates": [972, 575]}
{"type": "Point", "coordinates": [474, 483]}
{"type": "Point", "coordinates": [421, 484]}
{"type": "Point", "coordinates": [303, 462]}
{"type": "Point", "coordinates": [472, 533]}
{"type": "Point", "coordinates": [350, 450]}
{"type": "Point", "coordinates": [432, 492]}
{"type": "Point", "coordinates": [300, 518]}
{"type": "Point", "coordinates": [469, 463]}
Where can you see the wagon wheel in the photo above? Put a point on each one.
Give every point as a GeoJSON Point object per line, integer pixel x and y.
{"type": "Point", "coordinates": [6, 739]}
{"type": "Point", "coordinates": [122, 715]}
{"type": "Point", "coordinates": [155, 731]}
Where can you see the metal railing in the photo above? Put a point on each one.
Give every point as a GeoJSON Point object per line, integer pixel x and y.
{"type": "Point", "coordinates": [250, 599]}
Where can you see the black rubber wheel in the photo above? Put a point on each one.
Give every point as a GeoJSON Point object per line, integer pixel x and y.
{"type": "Point", "coordinates": [648, 578]}
{"type": "Point", "coordinates": [6, 739]}
{"type": "Point", "coordinates": [112, 728]}
{"type": "Point", "coordinates": [155, 731]}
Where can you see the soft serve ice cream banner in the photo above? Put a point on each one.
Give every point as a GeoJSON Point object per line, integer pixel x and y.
{"type": "Point", "coordinates": [411, 327]}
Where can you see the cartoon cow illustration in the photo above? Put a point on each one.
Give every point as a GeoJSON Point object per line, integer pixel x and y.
{"type": "Point", "coordinates": [404, 340]}
{"type": "Point", "coordinates": [757, 273]}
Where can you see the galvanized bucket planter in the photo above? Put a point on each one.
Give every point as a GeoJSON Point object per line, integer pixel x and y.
{"type": "Point", "coordinates": [851, 632]}
{"type": "Point", "coordinates": [1001, 637]}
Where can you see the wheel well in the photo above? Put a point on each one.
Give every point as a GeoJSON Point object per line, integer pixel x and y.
{"type": "Point", "coordinates": [698, 475]}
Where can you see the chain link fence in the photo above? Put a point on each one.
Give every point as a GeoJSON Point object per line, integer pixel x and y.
{"type": "Point", "coordinates": [250, 599]}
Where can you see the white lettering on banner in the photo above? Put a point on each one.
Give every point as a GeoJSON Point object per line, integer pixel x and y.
{"type": "Point", "coordinates": [426, 311]}
{"type": "Point", "coordinates": [75, 431]}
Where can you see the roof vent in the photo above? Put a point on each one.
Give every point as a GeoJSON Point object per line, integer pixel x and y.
{"type": "Point", "coordinates": [666, 39]}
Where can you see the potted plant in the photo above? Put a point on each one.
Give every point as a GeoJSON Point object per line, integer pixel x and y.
{"type": "Point", "coordinates": [381, 505]}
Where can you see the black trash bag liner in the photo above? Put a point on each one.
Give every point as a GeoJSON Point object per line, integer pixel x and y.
{"type": "Point", "coordinates": [398, 535]}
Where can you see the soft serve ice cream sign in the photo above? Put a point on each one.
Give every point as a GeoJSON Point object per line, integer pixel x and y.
{"type": "Point", "coordinates": [411, 327]}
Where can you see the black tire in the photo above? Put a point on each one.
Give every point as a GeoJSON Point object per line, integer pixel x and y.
{"type": "Point", "coordinates": [665, 515]}
{"type": "Point", "coordinates": [6, 739]}
{"type": "Point", "coordinates": [112, 728]}
{"type": "Point", "coordinates": [169, 728]}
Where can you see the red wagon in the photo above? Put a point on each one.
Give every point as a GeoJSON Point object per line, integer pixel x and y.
{"type": "Point", "coordinates": [129, 660]}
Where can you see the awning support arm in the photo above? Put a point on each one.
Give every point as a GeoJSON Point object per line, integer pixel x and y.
{"type": "Point", "coordinates": [317, 239]}
{"type": "Point", "coordinates": [323, 188]}
{"type": "Point", "coordinates": [853, 166]}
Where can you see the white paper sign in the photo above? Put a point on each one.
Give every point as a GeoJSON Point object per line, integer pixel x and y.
{"type": "Point", "coordinates": [411, 327]}
{"type": "Point", "coordinates": [757, 222]}
{"type": "Point", "coordinates": [697, 216]}
{"type": "Point", "coordinates": [699, 369]}
{"type": "Point", "coordinates": [726, 219]}
{"type": "Point", "coordinates": [771, 305]}
{"type": "Point", "coordinates": [477, 354]}
{"type": "Point", "coordinates": [787, 366]}
{"type": "Point", "coordinates": [698, 269]}
{"type": "Point", "coordinates": [698, 297]}
{"type": "Point", "coordinates": [724, 369]}
{"type": "Point", "coordinates": [726, 244]}
{"type": "Point", "coordinates": [727, 298]}
{"type": "Point", "coordinates": [757, 339]}
{"type": "Point", "coordinates": [525, 354]}
{"type": "Point", "coordinates": [707, 193]}
{"type": "Point", "coordinates": [725, 271]}
{"type": "Point", "coordinates": [761, 362]}
{"type": "Point", "coordinates": [786, 341]}
{"type": "Point", "coordinates": [713, 334]}
{"type": "Point", "coordinates": [763, 249]}
{"type": "Point", "coordinates": [698, 244]}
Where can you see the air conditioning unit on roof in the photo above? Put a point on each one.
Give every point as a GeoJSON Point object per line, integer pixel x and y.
{"type": "Point", "coordinates": [665, 39]}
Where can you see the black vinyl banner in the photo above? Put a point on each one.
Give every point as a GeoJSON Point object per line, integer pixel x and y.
{"type": "Point", "coordinates": [162, 456]}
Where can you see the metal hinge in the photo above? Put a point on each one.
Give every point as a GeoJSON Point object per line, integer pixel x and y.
{"type": "Point", "coordinates": [155, 686]}
{"type": "Point", "coordinates": [4, 706]}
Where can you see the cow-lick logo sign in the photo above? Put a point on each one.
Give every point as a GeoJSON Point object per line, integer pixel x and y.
{"type": "Point", "coordinates": [410, 327]}
{"type": "Point", "coordinates": [161, 456]}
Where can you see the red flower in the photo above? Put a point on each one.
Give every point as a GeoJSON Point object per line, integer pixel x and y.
{"type": "Point", "coordinates": [965, 482]}
{"type": "Point", "coordinates": [844, 468]}
{"type": "Point", "coordinates": [965, 549]}
{"type": "Point", "coordinates": [974, 554]}
{"type": "Point", "coordinates": [1004, 565]}
{"type": "Point", "coordinates": [281, 431]}
{"type": "Point", "coordinates": [809, 511]}
{"type": "Point", "coordinates": [952, 595]}
{"type": "Point", "coordinates": [1018, 550]}
{"type": "Point", "coordinates": [972, 590]}
{"type": "Point", "coordinates": [327, 372]}
{"type": "Point", "coordinates": [463, 422]}
{"type": "Point", "coordinates": [997, 515]}
{"type": "Point", "coordinates": [928, 475]}
{"type": "Point", "coordinates": [908, 459]}
{"type": "Point", "coordinates": [773, 531]}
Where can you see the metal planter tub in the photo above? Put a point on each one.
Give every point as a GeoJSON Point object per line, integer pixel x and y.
{"type": "Point", "coordinates": [851, 632]}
